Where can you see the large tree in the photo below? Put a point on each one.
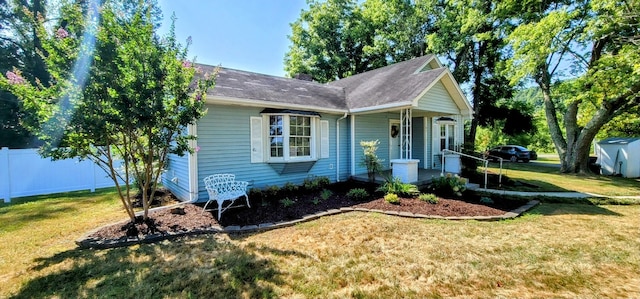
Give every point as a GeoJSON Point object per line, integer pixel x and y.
{"type": "Point", "coordinates": [117, 92]}
{"type": "Point", "coordinates": [597, 44]}
{"type": "Point", "coordinates": [337, 38]}
{"type": "Point", "coordinates": [328, 41]}
{"type": "Point", "coordinates": [471, 36]}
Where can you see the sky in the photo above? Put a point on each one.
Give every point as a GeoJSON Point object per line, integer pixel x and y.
{"type": "Point", "coordinates": [249, 35]}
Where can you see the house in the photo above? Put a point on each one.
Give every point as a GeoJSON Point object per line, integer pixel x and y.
{"type": "Point", "coordinates": [619, 156]}
{"type": "Point", "coordinates": [270, 130]}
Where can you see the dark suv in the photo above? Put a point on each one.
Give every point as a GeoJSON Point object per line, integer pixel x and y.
{"type": "Point", "coordinates": [512, 153]}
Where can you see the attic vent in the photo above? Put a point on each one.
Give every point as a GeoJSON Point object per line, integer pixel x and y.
{"type": "Point", "coordinates": [304, 77]}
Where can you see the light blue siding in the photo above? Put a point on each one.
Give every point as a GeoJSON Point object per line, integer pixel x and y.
{"type": "Point", "coordinates": [177, 168]}
{"type": "Point", "coordinates": [417, 140]}
{"type": "Point", "coordinates": [373, 127]}
{"type": "Point", "coordinates": [224, 137]}
{"type": "Point", "coordinates": [429, 139]}
{"type": "Point", "coordinates": [345, 146]}
{"type": "Point", "coordinates": [437, 99]}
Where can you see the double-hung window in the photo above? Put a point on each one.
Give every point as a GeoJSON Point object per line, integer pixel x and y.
{"type": "Point", "coordinates": [291, 137]}
{"type": "Point", "coordinates": [278, 137]}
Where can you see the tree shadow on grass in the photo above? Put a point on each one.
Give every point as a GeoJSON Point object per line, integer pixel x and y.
{"type": "Point", "coordinates": [202, 267]}
{"type": "Point", "coordinates": [551, 209]}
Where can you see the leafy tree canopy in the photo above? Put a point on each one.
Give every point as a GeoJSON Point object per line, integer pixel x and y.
{"type": "Point", "coordinates": [118, 91]}
{"type": "Point", "coordinates": [596, 42]}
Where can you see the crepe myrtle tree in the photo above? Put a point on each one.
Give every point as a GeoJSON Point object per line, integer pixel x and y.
{"type": "Point", "coordinates": [118, 92]}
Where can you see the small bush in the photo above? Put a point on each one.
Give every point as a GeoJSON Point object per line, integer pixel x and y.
{"type": "Point", "coordinates": [430, 198]}
{"type": "Point", "coordinates": [392, 198]}
{"type": "Point", "coordinates": [289, 188]}
{"type": "Point", "coordinates": [486, 200]}
{"type": "Point", "coordinates": [257, 195]}
{"type": "Point", "coordinates": [397, 187]}
{"type": "Point", "coordinates": [449, 185]}
{"type": "Point", "coordinates": [326, 193]}
{"type": "Point", "coordinates": [358, 194]}
{"type": "Point", "coordinates": [315, 200]}
{"type": "Point", "coordinates": [272, 191]}
{"type": "Point", "coordinates": [315, 183]}
{"type": "Point", "coordinates": [286, 202]}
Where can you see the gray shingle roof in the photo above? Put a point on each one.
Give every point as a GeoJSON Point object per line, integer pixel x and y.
{"type": "Point", "coordinates": [393, 84]}
{"type": "Point", "coordinates": [238, 84]}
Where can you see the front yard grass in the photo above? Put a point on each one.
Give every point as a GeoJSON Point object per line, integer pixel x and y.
{"type": "Point", "coordinates": [549, 179]}
{"type": "Point", "coordinates": [553, 251]}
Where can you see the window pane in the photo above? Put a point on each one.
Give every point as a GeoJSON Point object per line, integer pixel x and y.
{"type": "Point", "coordinates": [451, 136]}
{"type": "Point", "coordinates": [275, 135]}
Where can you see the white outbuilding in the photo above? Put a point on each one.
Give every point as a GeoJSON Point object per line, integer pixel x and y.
{"type": "Point", "coordinates": [619, 156]}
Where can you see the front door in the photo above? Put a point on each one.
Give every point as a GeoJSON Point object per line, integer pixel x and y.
{"type": "Point", "coordinates": [394, 140]}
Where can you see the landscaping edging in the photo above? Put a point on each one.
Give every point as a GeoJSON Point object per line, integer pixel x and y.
{"type": "Point", "coordinates": [86, 242]}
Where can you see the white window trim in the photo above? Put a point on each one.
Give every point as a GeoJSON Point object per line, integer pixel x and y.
{"type": "Point", "coordinates": [286, 158]}
{"type": "Point", "coordinates": [448, 132]}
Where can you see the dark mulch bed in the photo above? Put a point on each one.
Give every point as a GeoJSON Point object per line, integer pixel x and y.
{"type": "Point", "coordinates": [263, 211]}
{"type": "Point", "coordinates": [185, 218]}
{"type": "Point", "coordinates": [189, 217]}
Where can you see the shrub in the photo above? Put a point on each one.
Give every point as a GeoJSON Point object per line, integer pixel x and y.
{"type": "Point", "coordinates": [397, 187]}
{"type": "Point", "coordinates": [289, 189]}
{"type": "Point", "coordinates": [286, 202]}
{"type": "Point", "coordinates": [358, 194]}
{"type": "Point", "coordinates": [315, 183]}
{"type": "Point", "coordinates": [326, 193]}
{"type": "Point", "coordinates": [256, 194]}
{"type": "Point", "coordinates": [370, 159]}
{"type": "Point", "coordinates": [430, 198]}
{"type": "Point", "coordinates": [449, 185]}
{"type": "Point", "coordinates": [272, 191]}
{"type": "Point", "coordinates": [315, 200]}
{"type": "Point", "coordinates": [486, 200]}
{"type": "Point", "coordinates": [392, 198]}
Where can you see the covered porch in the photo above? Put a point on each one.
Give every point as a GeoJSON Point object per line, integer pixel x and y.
{"type": "Point", "coordinates": [411, 140]}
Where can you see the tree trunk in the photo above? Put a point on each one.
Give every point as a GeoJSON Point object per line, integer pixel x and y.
{"type": "Point", "coordinates": [544, 81]}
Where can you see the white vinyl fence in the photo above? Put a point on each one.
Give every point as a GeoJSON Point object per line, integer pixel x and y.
{"type": "Point", "coordinates": [24, 173]}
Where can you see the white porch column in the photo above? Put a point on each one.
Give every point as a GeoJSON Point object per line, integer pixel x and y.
{"type": "Point", "coordinates": [405, 168]}
{"type": "Point", "coordinates": [405, 134]}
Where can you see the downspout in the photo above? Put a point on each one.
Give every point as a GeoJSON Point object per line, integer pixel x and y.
{"type": "Point", "coordinates": [338, 146]}
{"type": "Point", "coordinates": [353, 145]}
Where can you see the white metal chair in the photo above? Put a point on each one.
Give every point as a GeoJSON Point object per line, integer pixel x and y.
{"type": "Point", "coordinates": [224, 187]}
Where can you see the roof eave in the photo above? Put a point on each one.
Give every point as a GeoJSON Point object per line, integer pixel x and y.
{"type": "Point", "coordinates": [221, 100]}
{"type": "Point", "coordinates": [382, 108]}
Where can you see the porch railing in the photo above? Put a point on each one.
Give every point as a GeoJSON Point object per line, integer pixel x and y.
{"type": "Point", "coordinates": [485, 161]}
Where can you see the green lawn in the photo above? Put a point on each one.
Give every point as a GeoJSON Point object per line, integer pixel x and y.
{"type": "Point", "coordinates": [554, 251]}
{"type": "Point", "coordinates": [548, 179]}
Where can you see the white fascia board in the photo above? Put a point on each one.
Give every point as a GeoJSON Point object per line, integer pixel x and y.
{"type": "Point", "coordinates": [382, 108]}
{"type": "Point", "coordinates": [455, 85]}
{"type": "Point", "coordinates": [430, 61]}
{"type": "Point", "coordinates": [258, 103]}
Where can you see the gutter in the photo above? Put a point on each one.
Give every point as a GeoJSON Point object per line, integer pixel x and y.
{"type": "Point", "coordinates": [338, 146]}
